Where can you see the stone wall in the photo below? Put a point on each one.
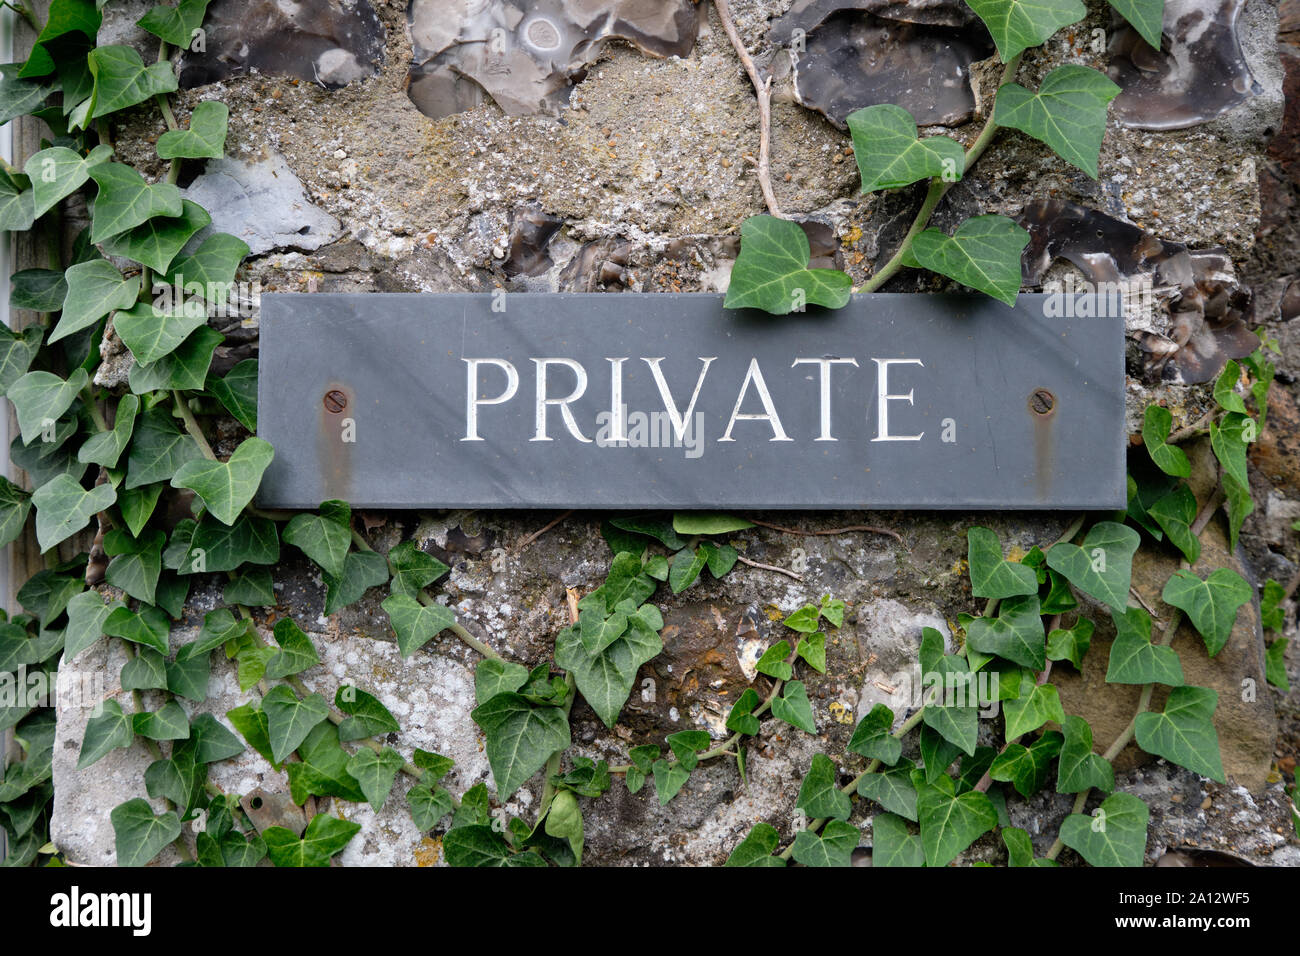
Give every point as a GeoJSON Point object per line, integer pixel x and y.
{"type": "Point", "coordinates": [635, 179]}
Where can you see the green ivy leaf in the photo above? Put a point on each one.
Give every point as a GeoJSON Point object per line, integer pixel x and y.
{"type": "Point", "coordinates": [482, 846]}
{"type": "Point", "coordinates": [323, 768]}
{"type": "Point", "coordinates": [1068, 112]}
{"type": "Point", "coordinates": [58, 172]}
{"type": "Point", "coordinates": [109, 731]}
{"type": "Point", "coordinates": [227, 487]}
{"type": "Point", "coordinates": [873, 736]}
{"type": "Point", "coordinates": [1211, 605]}
{"type": "Point", "coordinates": [148, 626]}
{"type": "Point", "coordinates": [1225, 389]}
{"type": "Point", "coordinates": [376, 773]}
{"type": "Point", "coordinates": [253, 588]}
{"type": "Point", "coordinates": [493, 677]}
{"type": "Point", "coordinates": [105, 448]}
{"type": "Point", "coordinates": [741, 718]}
{"type": "Point", "coordinates": [992, 575]}
{"type": "Point", "coordinates": [252, 723]}
{"type": "Point", "coordinates": [1020, 849]}
{"type": "Point", "coordinates": [757, 848]}
{"type": "Point", "coordinates": [892, 788]}
{"type": "Point", "coordinates": [1175, 513]}
{"type": "Point", "coordinates": [136, 564]}
{"type": "Point", "coordinates": [205, 139]}
{"type": "Point", "coordinates": [325, 836]}
{"type": "Point", "coordinates": [212, 742]}
{"type": "Point", "coordinates": [122, 79]}
{"type": "Point", "coordinates": [1016, 634]}
{"type": "Point", "coordinates": [834, 846]}
{"type": "Point", "coordinates": [362, 570]}
{"type": "Point", "coordinates": [429, 804]}
{"type": "Point", "coordinates": [14, 506]}
{"type": "Point", "coordinates": [805, 621]}
{"type": "Point", "coordinates": [17, 349]}
{"type": "Point", "coordinates": [1037, 704]}
{"type": "Point", "coordinates": [1115, 834]}
{"type": "Point", "coordinates": [956, 720]}
{"type": "Point", "coordinates": [177, 778]}
{"type": "Point", "coordinates": [1070, 644]}
{"type": "Point", "coordinates": [40, 290]}
{"type": "Point", "coordinates": [414, 623]}
{"type": "Point", "coordinates": [1017, 25]}
{"type": "Point", "coordinates": [812, 649]}
{"type": "Point", "coordinates": [685, 569]}
{"type": "Point", "coordinates": [951, 823]}
{"type": "Point", "coordinates": [289, 720]}
{"type": "Point", "coordinates": [820, 795]}
{"type": "Point", "coordinates": [158, 449]}
{"type": "Point", "coordinates": [152, 334]}
{"type": "Point", "coordinates": [212, 267]}
{"type": "Point", "coordinates": [1184, 732]}
{"type": "Point", "coordinates": [19, 96]}
{"type": "Point", "coordinates": [167, 723]}
{"type": "Point", "coordinates": [1103, 566]}
{"type": "Point", "coordinates": [606, 679]}
{"type": "Point", "coordinates": [1079, 768]}
{"type": "Point", "coordinates": [793, 707]}
{"type": "Point", "coordinates": [17, 203]}
{"type": "Point", "coordinates": [139, 835]}
{"type": "Point", "coordinates": [984, 254]}
{"type": "Point", "coordinates": [1275, 664]}
{"type": "Point", "coordinates": [1147, 17]}
{"type": "Point", "coordinates": [669, 780]}
{"type": "Point", "coordinates": [188, 675]}
{"type": "Point", "coordinates": [413, 569]}
{"type": "Point", "coordinates": [720, 559]}
{"type": "Point", "coordinates": [520, 737]}
{"type": "Point", "coordinates": [324, 537]}
{"type": "Point", "coordinates": [367, 717]}
{"type": "Point", "coordinates": [893, 844]}
{"type": "Point", "coordinates": [185, 368]}
{"type": "Point", "coordinates": [41, 398]}
{"type": "Point", "coordinates": [63, 508]}
{"type": "Point", "coordinates": [297, 653]}
{"type": "Point", "coordinates": [686, 744]}
{"type": "Point", "coordinates": [125, 200]}
{"type": "Point", "coordinates": [1027, 768]}
{"type": "Point", "coordinates": [598, 632]}
{"type": "Point", "coordinates": [157, 242]}
{"type": "Point", "coordinates": [707, 522]}
{"type": "Point", "coordinates": [773, 662]}
{"type": "Point", "coordinates": [87, 613]}
{"type": "Point", "coordinates": [889, 154]}
{"type": "Point", "coordinates": [1134, 659]}
{"type": "Point", "coordinates": [771, 273]}
{"type": "Point", "coordinates": [176, 25]}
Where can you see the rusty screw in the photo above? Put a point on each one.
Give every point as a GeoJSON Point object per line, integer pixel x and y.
{"type": "Point", "coordinates": [335, 401]}
{"type": "Point", "coordinates": [1041, 401]}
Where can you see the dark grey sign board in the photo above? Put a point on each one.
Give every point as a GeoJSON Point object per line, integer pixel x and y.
{"type": "Point", "coordinates": [641, 401]}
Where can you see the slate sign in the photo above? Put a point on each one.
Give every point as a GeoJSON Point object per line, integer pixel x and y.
{"type": "Point", "coordinates": [622, 401]}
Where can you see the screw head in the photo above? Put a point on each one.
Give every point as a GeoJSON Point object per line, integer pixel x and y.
{"type": "Point", "coordinates": [335, 401]}
{"type": "Point", "coordinates": [1041, 401]}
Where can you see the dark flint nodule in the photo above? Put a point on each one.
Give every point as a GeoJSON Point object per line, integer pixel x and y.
{"type": "Point", "coordinates": [1198, 73]}
{"type": "Point", "coordinates": [526, 57]}
{"type": "Point", "coordinates": [323, 41]}
{"type": "Point", "coordinates": [1201, 310]}
{"type": "Point", "coordinates": [860, 53]}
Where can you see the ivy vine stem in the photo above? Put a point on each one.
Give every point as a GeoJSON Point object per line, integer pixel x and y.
{"type": "Point", "coordinates": [938, 189]}
{"type": "Point", "coordinates": [192, 424]}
